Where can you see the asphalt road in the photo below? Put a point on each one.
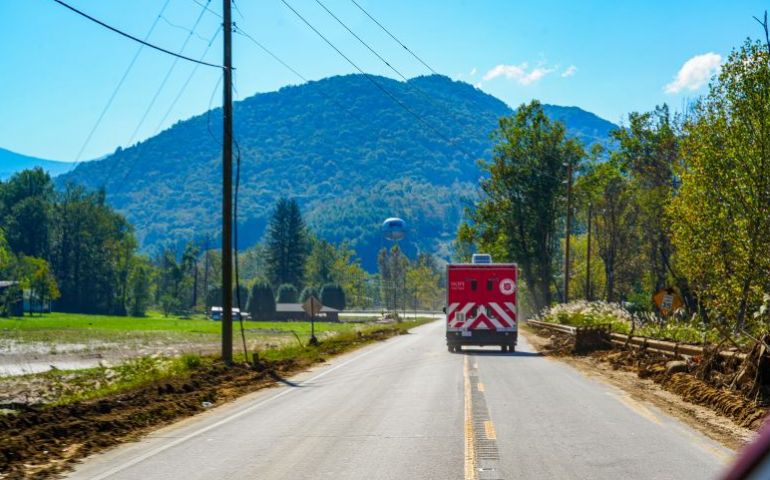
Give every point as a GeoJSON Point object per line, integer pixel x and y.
{"type": "Point", "coordinates": [408, 409]}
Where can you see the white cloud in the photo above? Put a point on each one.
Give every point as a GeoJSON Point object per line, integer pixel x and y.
{"type": "Point", "coordinates": [473, 72]}
{"type": "Point", "coordinates": [695, 73]}
{"type": "Point", "coordinates": [569, 71]}
{"type": "Point", "coordinates": [520, 73]}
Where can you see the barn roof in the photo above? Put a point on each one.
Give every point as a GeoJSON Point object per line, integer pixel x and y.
{"type": "Point", "coordinates": [297, 307]}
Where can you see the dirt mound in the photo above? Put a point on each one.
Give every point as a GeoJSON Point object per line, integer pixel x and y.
{"type": "Point", "coordinates": [37, 442]}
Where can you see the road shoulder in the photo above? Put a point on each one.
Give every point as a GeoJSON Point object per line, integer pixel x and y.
{"type": "Point", "coordinates": [701, 419]}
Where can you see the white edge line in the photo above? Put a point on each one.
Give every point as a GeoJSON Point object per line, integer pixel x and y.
{"type": "Point", "coordinates": [225, 420]}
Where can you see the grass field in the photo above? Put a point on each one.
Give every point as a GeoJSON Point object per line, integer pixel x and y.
{"type": "Point", "coordinates": [61, 386]}
{"type": "Point", "coordinates": [63, 332]}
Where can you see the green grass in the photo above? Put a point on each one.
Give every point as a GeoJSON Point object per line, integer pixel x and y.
{"type": "Point", "coordinates": [152, 322]}
{"type": "Point", "coordinates": [57, 387]}
{"type": "Point", "coordinates": [54, 331]}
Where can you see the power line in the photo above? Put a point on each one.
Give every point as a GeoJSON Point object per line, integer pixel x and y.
{"type": "Point", "coordinates": [394, 37]}
{"type": "Point", "coordinates": [127, 35]}
{"type": "Point", "coordinates": [187, 82]}
{"type": "Point", "coordinates": [168, 75]}
{"type": "Point", "coordinates": [206, 7]}
{"type": "Point", "coordinates": [123, 183]}
{"type": "Point", "coordinates": [182, 27]}
{"type": "Point", "coordinates": [240, 31]}
{"type": "Point", "coordinates": [388, 64]}
{"type": "Point", "coordinates": [118, 86]}
{"type": "Point", "coordinates": [278, 59]}
{"type": "Point", "coordinates": [369, 77]}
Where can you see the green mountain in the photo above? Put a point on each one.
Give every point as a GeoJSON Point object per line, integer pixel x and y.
{"type": "Point", "coordinates": [349, 154]}
{"type": "Point", "coordinates": [12, 162]}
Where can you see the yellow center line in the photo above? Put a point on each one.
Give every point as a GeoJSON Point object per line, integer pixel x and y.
{"type": "Point", "coordinates": [489, 430]}
{"type": "Point", "coordinates": [470, 447]}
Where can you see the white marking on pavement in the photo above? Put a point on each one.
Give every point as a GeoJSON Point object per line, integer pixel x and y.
{"type": "Point", "coordinates": [225, 420]}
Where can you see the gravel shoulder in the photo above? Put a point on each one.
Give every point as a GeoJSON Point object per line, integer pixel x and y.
{"type": "Point", "coordinates": [702, 419]}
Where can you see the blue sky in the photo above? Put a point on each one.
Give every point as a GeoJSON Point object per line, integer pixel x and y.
{"type": "Point", "coordinates": [57, 70]}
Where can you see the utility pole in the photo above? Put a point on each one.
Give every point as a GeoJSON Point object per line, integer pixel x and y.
{"type": "Point", "coordinates": [206, 271]}
{"type": "Point", "coordinates": [568, 231]}
{"type": "Point", "coordinates": [227, 189]}
{"type": "Point", "coordinates": [588, 254]}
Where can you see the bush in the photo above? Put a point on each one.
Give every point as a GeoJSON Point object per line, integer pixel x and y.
{"type": "Point", "coordinates": [287, 293]}
{"type": "Point", "coordinates": [261, 302]}
{"type": "Point", "coordinates": [307, 292]}
{"type": "Point", "coordinates": [333, 296]}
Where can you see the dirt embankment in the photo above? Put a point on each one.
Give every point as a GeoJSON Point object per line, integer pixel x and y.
{"type": "Point", "coordinates": [685, 389]}
{"type": "Point", "coordinates": [38, 442]}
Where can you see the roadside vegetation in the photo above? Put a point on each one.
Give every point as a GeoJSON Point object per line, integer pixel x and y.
{"type": "Point", "coordinates": [274, 342]}
{"type": "Point", "coordinates": [677, 202]}
{"type": "Point", "coordinates": [86, 411]}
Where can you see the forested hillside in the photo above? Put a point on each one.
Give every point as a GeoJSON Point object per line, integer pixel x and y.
{"type": "Point", "coordinates": [347, 152]}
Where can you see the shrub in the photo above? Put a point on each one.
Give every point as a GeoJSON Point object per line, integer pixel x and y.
{"type": "Point", "coordinates": [333, 296]}
{"type": "Point", "coordinates": [261, 302]}
{"type": "Point", "coordinates": [287, 293]}
{"type": "Point", "coordinates": [307, 292]}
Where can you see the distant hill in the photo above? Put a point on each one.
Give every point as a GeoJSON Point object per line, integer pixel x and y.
{"type": "Point", "coordinates": [348, 154]}
{"type": "Point", "coordinates": [12, 162]}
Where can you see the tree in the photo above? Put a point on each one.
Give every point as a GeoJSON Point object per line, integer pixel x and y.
{"type": "Point", "coordinates": [287, 293]}
{"type": "Point", "coordinates": [616, 227]}
{"type": "Point", "coordinates": [333, 296]}
{"type": "Point", "coordinates": [422, 284]}
{"type": "Point", "coordinates": [721, 217]}
{"type": "Point", "coordinates": [91, 253]}
{"type": "Point", "coordinates": [320, 263]}
{"type": "Point", "coordinates": [261, 302]}
{"type": "Point", "coordinates": [26, 211]}
{"type": "Point", "coordinates": [140, 281]}
{"type": "Point", "coordinates": [393, 266]}
{"type": "Point", "coordinates": [522, 197]}
{"type": "Point", "coordinates": [648, 150]}
{"type": "Point", "coordinates": [287, 244]}
{"type": "Point", "coordinates": [35, 275]}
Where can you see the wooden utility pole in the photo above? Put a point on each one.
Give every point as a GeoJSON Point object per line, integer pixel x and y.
{"type": "Point", "coordinates": [227, 189]}
{"type": "Point", "coordinates": [588, 254]}
{"type": "Point", "coordinates": [568, 229]}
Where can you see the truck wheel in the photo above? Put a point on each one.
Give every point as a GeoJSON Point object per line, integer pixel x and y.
{"type": "Point", "coordinates": [511, 348]}
{"type": "Point", "coordinates": [451, 348]}
{"type": "Point", "coordinates": [503, 348]}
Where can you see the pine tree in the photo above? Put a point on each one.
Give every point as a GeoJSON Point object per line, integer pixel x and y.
{"type": "Point", "coordinates": [287, 244]}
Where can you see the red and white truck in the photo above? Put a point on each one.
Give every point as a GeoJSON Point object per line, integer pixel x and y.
{"type": "Point", "coordinates": [481, 304]}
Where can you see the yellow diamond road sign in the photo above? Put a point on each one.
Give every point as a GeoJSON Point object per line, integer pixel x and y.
{"type": "Point", "coordinates": [312, 306]}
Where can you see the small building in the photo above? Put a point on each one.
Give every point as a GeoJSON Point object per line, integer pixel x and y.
{"type": "Point", "coordinates": [294, 312]}
{"type": "Point", "coordinates": [11, 298]}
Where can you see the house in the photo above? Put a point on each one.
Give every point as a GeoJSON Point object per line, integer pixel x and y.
{"type": "Point", "coordinates": [294, 311]}
{"type": "Point", "coordinates": [11, 298]}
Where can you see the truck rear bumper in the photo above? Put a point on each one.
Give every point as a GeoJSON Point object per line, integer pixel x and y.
{"type": "Point", "coordinates": [481, 338]}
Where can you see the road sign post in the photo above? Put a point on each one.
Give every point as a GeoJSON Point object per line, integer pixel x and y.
{"type": "Point", "coordinates": [312, 307]}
